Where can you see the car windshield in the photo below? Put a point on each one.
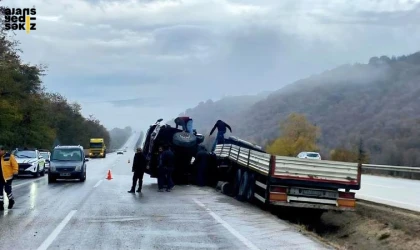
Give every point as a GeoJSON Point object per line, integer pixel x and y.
{"type": "Point", "coordinates": [25, 154]}
{"type": "Point", "coordinates": [96, 145]}
{"type": "Point", "coordinates": [313, 155]}
{"type": "Point", "coordinates": [66, 154]}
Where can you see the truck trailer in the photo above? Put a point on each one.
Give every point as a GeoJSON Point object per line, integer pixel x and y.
{"type": "Point", "coordinates": [314, 185]}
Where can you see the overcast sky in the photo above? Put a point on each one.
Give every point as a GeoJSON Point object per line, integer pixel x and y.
{"type": "Point", "coordinates": [132, 62]}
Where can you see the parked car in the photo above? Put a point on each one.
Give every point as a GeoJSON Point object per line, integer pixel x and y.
{"type": "Point", "coordinates": [30, 161]}
{"type": "Point", "coordinates": [309, 155]}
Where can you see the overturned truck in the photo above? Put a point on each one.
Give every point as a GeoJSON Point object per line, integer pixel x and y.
{"type": "Point", "coordinates": [183, 141]}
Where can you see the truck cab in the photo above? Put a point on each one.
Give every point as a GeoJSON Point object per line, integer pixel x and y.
{"type": "Point", "coordinates": [97, 148]}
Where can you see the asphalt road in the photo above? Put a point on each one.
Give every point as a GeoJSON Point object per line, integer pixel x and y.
{"type": "Point", "coordinates": [100, 214]}
{"type": "Point", "coordinates": [391, 191]}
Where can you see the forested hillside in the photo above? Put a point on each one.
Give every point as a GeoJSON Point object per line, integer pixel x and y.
{"type": "Point", "coordinates": [378, 102]}
{"type": "Point", "coordinates": [119, 136]}
{"type": "Point", "coordinates": [29, 116]}
{"type": "Point", "coordinates": [207, 113]}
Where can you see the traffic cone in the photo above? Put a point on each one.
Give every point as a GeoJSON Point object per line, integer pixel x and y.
{"type": "Point", "coordinates": [109, 177]}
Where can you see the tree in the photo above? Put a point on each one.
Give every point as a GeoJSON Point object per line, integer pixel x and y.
{"type": "Point", "coordinates": [31, 117]}
{"type": "Point", "coordinates": [297, 135]}
{"type": "Point", "coordinates": [356, 154]}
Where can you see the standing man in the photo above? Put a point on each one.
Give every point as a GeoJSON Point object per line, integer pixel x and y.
{"type": "Point", "coordinates": [139, 165]}
{"type": "Point", "coordinates": [166, 168]}
{"type": "Point", "coordinates": [221, 130]}
{"type": "Point", "coordinates": [8, 168]}
{"type": "Point", "coordinates": [161, 171]}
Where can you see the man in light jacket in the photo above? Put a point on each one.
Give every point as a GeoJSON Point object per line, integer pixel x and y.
{"type": "Point", "coordinates": [8, 168]}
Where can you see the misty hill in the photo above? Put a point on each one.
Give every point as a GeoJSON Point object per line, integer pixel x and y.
{"type": "Point", "coordinates": [205, 114]}
{"type": "Point", "coordinates": [119, 136]}
{"type": "Point", "coordinates": [378, 101]}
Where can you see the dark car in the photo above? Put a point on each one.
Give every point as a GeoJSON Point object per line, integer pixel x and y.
{"type": "Point", "coordinates": [67, 162]}
{"type": "Point", "coordinates": [183, 144]}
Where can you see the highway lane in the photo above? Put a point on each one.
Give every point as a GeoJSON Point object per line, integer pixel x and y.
{"type": "Point", "coordinates": [100, 214]}
{"type": "Point", "coordinates": [391, 191]}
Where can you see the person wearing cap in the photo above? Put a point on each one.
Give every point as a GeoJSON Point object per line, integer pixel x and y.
{"type": "Point", "coordinates": [139, 166]}
{"type": "Point", "coordinates": [8, 168]}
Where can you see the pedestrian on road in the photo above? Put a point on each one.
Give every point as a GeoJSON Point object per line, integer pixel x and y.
{"type": "Point", "coordinates": [221, 130]}
{"type": "Point", "coordinates": [139, 166]}
{"type": "Point", "coordinates": [166, 168]}
{"type": "Point", "coordinates": [8, 168]}
{"type": "Point", "coordinates": [161, 171]}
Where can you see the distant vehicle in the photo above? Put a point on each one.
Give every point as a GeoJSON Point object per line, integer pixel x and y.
{"type": "Point", "coordinates": [120, 153]}
{"type": "Point", "coordinates": [183, 144]}
{"type": "Point", "coordinates": [67, 162]}
{"type": "Point", "coordinates": [30, 161]}
{"type": "Point", "coordinates": [47, 156]}
{"type": "Point", "coordinates": [309, 155]}
{"type": "Point", "coordinates": [97, 148]}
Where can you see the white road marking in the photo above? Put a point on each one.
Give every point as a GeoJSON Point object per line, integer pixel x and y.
{"type": "Point", "coordinates": [56, 231]}
{"type": "Point", "coordinates": [241, 238]}
{"type": "Point", "coordinates": [25, 183]}
{"type": "Point", "coordinates": [98, 183]}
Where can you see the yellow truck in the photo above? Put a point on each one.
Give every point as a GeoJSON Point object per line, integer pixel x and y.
{"type": "Point", "coordinates": [97, 148]}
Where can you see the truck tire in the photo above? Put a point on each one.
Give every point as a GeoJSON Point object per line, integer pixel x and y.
{"type": "Point", "coordinates": [236, 182]}
{"type": "Point", "coordinates": [243, 186]}
{"type": "Point", "coordinates": [184, 139]}
{"type": "Point", "coordinates": [251, 187]}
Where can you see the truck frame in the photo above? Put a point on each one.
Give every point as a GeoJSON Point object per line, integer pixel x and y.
{"type": "Point", "coordinates": [286, 182]}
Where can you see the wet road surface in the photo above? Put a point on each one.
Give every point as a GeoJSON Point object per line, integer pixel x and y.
{"type": "Point", "coordinates": [100, 214]}
{"type": "Point", "coordinates": [391, 191]}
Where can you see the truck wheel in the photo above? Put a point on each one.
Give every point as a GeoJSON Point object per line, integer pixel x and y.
{"type": "Point", "coordinates": [236, 182]}
{"type": "Point", "coordinates": [243, 187]}
{"type": "Point", "coordinates": [184, 139]}
{"type": "Point", "coordinates": [251, 186]}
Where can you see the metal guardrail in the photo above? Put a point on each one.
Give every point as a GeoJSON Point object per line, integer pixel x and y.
{"type": "Point", "coordinates": [392, 168]}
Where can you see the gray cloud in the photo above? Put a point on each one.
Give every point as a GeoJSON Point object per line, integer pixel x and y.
{"type": "Point", "coordinates": [157, 58]}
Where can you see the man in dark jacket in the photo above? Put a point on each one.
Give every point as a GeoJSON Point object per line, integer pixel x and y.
{"type": "Point", "coordinates": [139, 165]}
{"type": "Point", "coordinates": [221, 130]}
{"type": "Point", "coordinates": [166, 168]}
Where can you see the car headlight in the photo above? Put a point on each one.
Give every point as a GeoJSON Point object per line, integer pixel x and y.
{"type": "Point", "coordinates": [52, 168]}
{"type": "Point", "coordinates": [78, 168]}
